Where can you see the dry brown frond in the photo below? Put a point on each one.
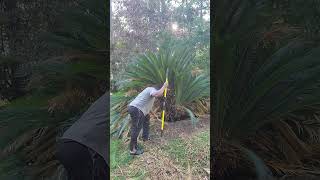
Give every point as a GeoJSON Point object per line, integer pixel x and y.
{"type": "Point", "coordinates": [230, 161]}
{"type": "Point", "coordinates": [196, 71]}
{"type": "Point", "coordinates": [69, 100]}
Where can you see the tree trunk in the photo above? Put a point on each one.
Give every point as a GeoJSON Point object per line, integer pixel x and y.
{"type": "Point", "coordinates": [170, 107]}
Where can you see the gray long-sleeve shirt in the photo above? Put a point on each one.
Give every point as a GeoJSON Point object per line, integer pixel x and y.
{"type": "Point", "coordinates": [91, 129]}
{"type": "Point", "coordinates": [144, 101]}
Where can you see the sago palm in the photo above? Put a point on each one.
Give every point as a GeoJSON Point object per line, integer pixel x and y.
{"type": "Point", "coordinates": [185, 90]}
{"type": "Point", "coordinates": [60, 89]}
{"type": "Point", "coordinates": [254, 90]}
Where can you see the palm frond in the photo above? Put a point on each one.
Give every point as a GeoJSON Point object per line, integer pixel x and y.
{"type": "Point", "coordinates": [252, 92]}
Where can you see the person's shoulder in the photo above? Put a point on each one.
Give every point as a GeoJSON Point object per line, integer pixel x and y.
{"type": "Point", "coordinates": [151, 89]}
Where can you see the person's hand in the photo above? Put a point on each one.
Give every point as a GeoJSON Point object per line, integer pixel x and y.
{"type": "Point", "coordinates": [166, 84]}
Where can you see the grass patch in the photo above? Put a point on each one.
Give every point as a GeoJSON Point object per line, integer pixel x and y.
{"type": "Point", "coordinates": [119, 154]}
{"type": "Point", "coordinates": [177, 150]}
{"type": "Point", "coordinates": [120, 158]}
{"type": "Point", "coordinates": [137, 174]}
{"type": "Point", "coordinates": [195, 150]}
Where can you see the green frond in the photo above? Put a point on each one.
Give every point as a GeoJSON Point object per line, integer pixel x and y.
{"type": "Point", "coordinates": [193, 119]}
{"type": "Point", "coordinates": [263, 172]}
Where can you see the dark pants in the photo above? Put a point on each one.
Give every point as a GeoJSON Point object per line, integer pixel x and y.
{"type": "Point", "coordinates": [138, 121]}
{"type": "Point", "coordinates": [80, 162]}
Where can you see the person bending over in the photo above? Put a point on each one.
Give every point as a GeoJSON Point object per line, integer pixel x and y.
{"type": "Point", "coordinates": [139, 110]}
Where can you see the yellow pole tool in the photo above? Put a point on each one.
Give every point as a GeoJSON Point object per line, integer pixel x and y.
{"type": "Point", "coordinates": [164, 104]}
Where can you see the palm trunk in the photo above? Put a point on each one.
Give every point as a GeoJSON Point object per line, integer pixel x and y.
{"type": "Point", "coordinates": [170, 107]}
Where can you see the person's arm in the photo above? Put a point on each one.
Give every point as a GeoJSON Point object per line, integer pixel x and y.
{"type": "Point", "coordinates": [159, 93]}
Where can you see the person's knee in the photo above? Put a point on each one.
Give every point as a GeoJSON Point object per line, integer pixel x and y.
{"type": "Point", "coordinates": [147, 119]}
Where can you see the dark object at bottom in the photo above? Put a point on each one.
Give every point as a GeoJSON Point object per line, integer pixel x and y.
{"type": "Point", "coordinates": [81, 162]}
{"type": "Point", "coordinates": [146, 139]}
{"type": "Point", "coordinates": [137, 152]}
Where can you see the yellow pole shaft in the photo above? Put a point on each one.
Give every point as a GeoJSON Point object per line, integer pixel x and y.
{"type": "Point", "coordinates": [162, 120]}
{"type": "Point", "coordinates": [164, 102]}
{"type": "Point", "coordinates": [165, 90]}
{"type": "Point", "coordinates": [163, 111]}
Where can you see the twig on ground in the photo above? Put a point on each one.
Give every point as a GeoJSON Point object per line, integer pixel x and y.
{"type": "Point", "coordinates": [207, 170]}
{"type": "Point", "coordinates": [189, 177]}
{"type": "Point", "coordinates": [154, 114]}
{"type": "Point", "coordinates": [121, 170]}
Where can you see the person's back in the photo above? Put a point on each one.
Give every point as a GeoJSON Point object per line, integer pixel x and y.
{"type": "Point", "coordinates": [144, 101]}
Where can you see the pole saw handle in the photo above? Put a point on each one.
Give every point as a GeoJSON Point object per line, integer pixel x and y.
{"type": "Point", "coordinates": [167, 73]}
{"type": "Point", "coordinates": [165, 90]}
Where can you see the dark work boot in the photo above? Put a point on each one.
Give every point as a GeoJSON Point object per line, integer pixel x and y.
{"type": "Point", "coordinates": [136, 151]}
